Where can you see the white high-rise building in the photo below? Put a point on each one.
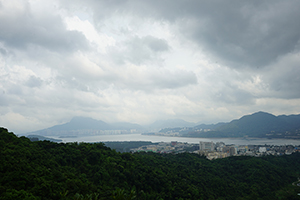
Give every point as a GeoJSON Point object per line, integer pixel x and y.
{"type": "Point", "coordinates": [208, 146]}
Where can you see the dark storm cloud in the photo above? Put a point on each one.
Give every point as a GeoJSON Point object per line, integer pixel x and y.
{"type": "Point", "coordinates": [247, 34]}
{"type": "Point", "coordinates": [251, 33]}
{"type": "Point", "coordinates": [239, 33]}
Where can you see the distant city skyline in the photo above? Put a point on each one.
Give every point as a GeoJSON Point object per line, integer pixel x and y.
{"type": "Point", "coordinates": [142, 61]}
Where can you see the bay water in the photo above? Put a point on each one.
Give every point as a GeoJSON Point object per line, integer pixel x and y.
{"type": "Point", "coordinates": [154, 138]}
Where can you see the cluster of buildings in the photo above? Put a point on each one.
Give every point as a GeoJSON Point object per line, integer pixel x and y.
{"type": "Point", "coordinates": [84, 132]}
{"type": "Point", "coordinates": [164, 147]}
{"type": "Point", "coordinates": [218, 150]}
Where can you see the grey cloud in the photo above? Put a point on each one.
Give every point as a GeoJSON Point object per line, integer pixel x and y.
{"type": "Point", "coordinates": [140, 63]}
{"type": "Point", "coordinates": [14, 89]}
{"type": "Point", "coordinates": [22, 28]}
{"type": "Point", "coordinates": [241, 33]}
{"type": "Point", "coordinates": [11, 93]}
{"type": "Point", "coordinates": [7, 100]}
{"type": "Point", "coordinates": [71, 83]}
{"type": "Point", "coordinates": [139, 50]}
{"type": "Point", "coordinates": [4, 100]}
{"type": "Point", "coordinates": [234, 96]}
{"type": "Point", "coordinates": [283, 78]}
{"type": "Point", "coordinates": [174, 80]}
{"type": "Point", "coordinates": [238, 33]}
{"type": "Point", "coordinates": [155, 44]}
{"type": "Point", "coordinates": [224, 86]}
{"type": "Point", "coordinates": [3, 51]}
{"type": "Point", "coordinates": [34, 81]}
{"type": "Point", "coordinates": [158, 79]}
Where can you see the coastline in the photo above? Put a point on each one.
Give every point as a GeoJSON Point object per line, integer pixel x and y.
{"type": "Point", "coordinates": [155, 138]}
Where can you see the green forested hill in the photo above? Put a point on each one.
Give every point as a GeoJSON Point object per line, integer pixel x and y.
{"type": "Point", "coordinates": [47, 170]}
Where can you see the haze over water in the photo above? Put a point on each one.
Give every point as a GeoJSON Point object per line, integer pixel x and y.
{"type": "Point", "coordinates": [140, 137]}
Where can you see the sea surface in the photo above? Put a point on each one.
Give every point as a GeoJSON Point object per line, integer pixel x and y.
{"type": "Point", "coordinates": [140, 137]}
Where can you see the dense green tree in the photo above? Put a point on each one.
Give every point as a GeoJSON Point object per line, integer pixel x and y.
{"type": "Point", "coordinates": [47, 170]}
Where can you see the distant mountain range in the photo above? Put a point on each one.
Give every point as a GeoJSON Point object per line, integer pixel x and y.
{"type": "Point", "coordinates": [87, 126]}
{"type": "Point", "coordinates": [260, 124]}
{"type": "Point", "coordinates": [86, 123]}
{"type": "Point", "coordinates": [82, 123]}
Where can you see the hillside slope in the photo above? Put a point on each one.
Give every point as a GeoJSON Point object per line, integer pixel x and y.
{"type": "Point", "coordinates": [47, 170]}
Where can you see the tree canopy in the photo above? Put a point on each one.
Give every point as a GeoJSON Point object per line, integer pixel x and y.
{"type": "Point", "coordinates": [48, 170]}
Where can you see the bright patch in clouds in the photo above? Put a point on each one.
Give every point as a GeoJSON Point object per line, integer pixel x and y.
{"type": "Point", "coordinates": [85, 27]}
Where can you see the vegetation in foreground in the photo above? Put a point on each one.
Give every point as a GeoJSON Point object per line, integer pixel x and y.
{"type": "Point", "coordinates": [48, 170]}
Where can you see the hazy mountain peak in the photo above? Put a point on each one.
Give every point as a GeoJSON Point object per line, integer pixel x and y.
{"type": "Point", "coordinates": [84, 119]}
{"type": "Point", "coordinates": [261, 113]}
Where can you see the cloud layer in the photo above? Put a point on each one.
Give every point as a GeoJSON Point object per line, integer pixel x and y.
{"type": "Point", "coordinates": [139, 61]}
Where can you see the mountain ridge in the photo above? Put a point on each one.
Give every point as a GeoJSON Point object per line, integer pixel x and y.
{"type": "Point", "coordinates": [258, 124]}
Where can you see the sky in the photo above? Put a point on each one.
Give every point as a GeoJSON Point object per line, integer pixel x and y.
{"type": "Point", "coordinates": [140, 61]}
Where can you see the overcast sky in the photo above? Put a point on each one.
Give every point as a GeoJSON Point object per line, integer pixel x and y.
{"type": "Point", "coordinates": [143, 60]}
